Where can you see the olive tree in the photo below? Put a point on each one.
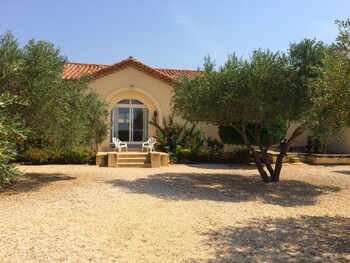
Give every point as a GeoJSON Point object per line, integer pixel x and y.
{"type": "Point", "coordinates": [11, 130]}
{"type": "Point", "coordinates": [247, 95]}
{"type": "Point", "coordinates": [333, 87]}
{"type": "Point", "coordinates": [260, 93]}
{"type": "Point", "coordinates": [65, 112]}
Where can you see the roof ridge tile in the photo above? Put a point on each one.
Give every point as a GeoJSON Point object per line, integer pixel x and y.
{"type": "Point", "coordinates": [73, 70]}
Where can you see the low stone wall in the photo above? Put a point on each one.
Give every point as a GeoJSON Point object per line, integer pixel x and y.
{"type": "Point", "coordinates": [328, 158]}
{"type": "Point", "coordinates": [286, 159]}
{"type": "Point", "coordinates": [312, 158]}
{"type": "Point", "coordinates": [102, 159]}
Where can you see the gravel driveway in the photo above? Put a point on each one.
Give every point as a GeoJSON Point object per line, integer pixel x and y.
{"type": "Point", "coordinates": [180, 213]}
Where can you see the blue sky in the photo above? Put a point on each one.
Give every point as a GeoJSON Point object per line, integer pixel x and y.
{"type": "Point", "coordinates": [170, 34]}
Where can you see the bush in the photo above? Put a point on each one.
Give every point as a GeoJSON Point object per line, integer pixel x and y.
{"type": "Point", "coordinates": [241, 154]}
{"type": "Point", "coordinates": [10, 128]}
{"type": "Point", "coordinates": [183, 144]}
{"type": "Point", "coordinates": [314, 145]}
{"type": "Point", "coordinates": [36, 156]}
{"type": "Point", "coordinates": [212, 151]}
{"type": "Point", "coordinates": [77, 156]}
{"type": "Point", "coordinates": [186, 155]}
{"type": "Point", "coordinates": [268, 135]}
{"type": "Point", "coordinates": [55, 155]}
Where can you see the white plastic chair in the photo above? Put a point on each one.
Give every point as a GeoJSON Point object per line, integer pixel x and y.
{"type": "Point", "coordinates": [149, 145]}
{"type": "Point", "coordinates": [119, 145]}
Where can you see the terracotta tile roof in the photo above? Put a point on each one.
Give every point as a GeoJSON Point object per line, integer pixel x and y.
{"type": "Point", "coordinates": [75, 70]}
{"type": "Point", "coordinates": [131, 62]}
{"type": "Point", "coordinates": [175, 73]}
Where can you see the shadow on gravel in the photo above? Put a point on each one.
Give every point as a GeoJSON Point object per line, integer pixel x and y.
{"type": "Point", "coordinates": [225, 188]}
{"type": "Point", "coordinates": [224, 166]}
{"type": "Point", "coordinates": [343, 172]}
{"type": "Point", "coordinates": [33, 182]}
{"type": "Point", "coordinates": [304, 239]}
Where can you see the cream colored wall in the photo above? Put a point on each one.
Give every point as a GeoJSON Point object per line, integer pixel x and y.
{"type": "Point", "coordinates": [340, 144]}
{"type": "Point", "coordinates": [131, 83]}
{"type": "Point", "coordinates": [301, 140]}
{"type": "Point", "coordinates": [156, 96]}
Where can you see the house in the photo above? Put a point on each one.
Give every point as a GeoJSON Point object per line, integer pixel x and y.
{"type": "Point", "coordinates": [138, 93]}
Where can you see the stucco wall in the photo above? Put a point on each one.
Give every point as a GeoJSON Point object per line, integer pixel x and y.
{"type": "Point", "coordinates": [338, 144]}
{"type": "Point", "coordinates": [131, 83]}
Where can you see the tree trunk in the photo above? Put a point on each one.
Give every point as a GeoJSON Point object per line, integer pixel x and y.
{"type": "Point", "coordinates": [266, 161]}
{"type": "Point", "coordinates": [279, 162]}
{"type": "Point", "coordinates": [285, 145]}
{"type": "Point", "coordinates": [263, 174]}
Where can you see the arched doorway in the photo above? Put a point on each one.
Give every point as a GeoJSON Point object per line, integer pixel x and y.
{"type": "Point", "coordinates": [129, 119]}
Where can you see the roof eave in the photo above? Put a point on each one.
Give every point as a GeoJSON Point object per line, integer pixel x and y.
{"type": "Point", "coordinates": [130, 62]}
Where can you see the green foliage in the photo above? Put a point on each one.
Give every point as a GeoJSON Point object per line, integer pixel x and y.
{"type": "Point", "coordinates": [241, 91]}
{"type": "Point", "coordinates": [258, 97]}
{"type": "Point", "coordinates": [179, 141]}
{"type": "Point", "coordinates": [66, 111]}
{"type": "Point", "coordinates": [267, 135]}
{"type": "Point", "coordinates": [241, 154]}
{"type": "Point", "coordinates": [332, 88]}
{"type": "Point", "coordinates": [10, 128]}
{"type": "Point", "coordinates": [314, 145]}
{"type": "Point", "coordinates": [212, 151]}
{"type": "Point", "coordinates": [55, 155]}
{"type": "Point", "coordinates": [78, 155]}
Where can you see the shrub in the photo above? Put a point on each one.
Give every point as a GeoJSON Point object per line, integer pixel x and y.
{"type": "Point", "coordinates": [241, 154]}
{"type": "Point", "coordinates": [314, 145]}
{"type": "Point", "coordinates": [36, 156]}
{"type": "Point", "coordinates": [186, 154]}
{"type": "Point", "coordinates": [180, 142]}
{"type": "Point", "coordinates": [77, 156]}
{"type": "Point", "coordinates": [10, 128]}
{"type": "Point", "coordinates": [212, 151]}
{"type": "Point", "coordinates": [55, 155]}
{"type": "Point", "coordinates": [268, 135]}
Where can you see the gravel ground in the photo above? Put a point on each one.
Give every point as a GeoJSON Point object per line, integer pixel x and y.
{"type": "Point", "coordinates": [180, 213]}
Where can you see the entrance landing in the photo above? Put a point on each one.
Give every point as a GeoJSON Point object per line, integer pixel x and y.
{"type": "Point", "coordinates": [132, 159]}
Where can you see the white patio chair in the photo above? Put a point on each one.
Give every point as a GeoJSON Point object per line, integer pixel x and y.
{"type": "Point", "coordinates": [149, 145]}
{"type": "Point", "coordinates": [119, 145]}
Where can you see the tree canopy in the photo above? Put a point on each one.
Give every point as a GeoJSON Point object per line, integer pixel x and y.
{"type": "Point", "coordinates": [64, 112]}
{"type": "Point", "coordinates": [11, 130]}
{"type": "Point", "coordinates": [258, 93]}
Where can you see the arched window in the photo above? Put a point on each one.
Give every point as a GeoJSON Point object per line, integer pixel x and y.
{"type": "Point", "coordinates": [129, 119]}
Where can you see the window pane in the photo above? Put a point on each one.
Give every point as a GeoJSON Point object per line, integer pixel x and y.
{"type": "Point", "coordinates": [124, 102]}
{"type": "Point", "coordinates": [138, 124]}
{"type": "Point", "coordinates": [123, 123]}
{"type": "Point", "coordinates": [135, 102]}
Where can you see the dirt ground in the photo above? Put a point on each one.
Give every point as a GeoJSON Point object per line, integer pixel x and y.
{"type": "Point", "coordinates": [180, 213]}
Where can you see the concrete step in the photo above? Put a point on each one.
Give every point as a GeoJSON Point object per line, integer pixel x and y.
{"type": "Point", "coordinates": [133, 155]}
{"type": "Point", "coordinates": [135, 164]}
{"type": "Point", "coordinates": [294, 160]}
{"type": "Point", "coordinates": [134, 160]}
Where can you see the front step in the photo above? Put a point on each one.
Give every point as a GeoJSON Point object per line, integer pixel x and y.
{"type": "Point", "coordinates": [295, 160]}
{"type": "Point", "coordinates": [137, 165]}
{"type": "Point", "coordinates": [133, 154]}
{"type": "Point", "coordinates": [132, 159]}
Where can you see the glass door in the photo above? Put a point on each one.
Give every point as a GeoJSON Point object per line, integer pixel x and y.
{"type": "Point", "coordinates": [123, 123]}
{"type": "Point", "coordinates": [130, 121]}
{"type": "Point", "coordinates": [139, 124]}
